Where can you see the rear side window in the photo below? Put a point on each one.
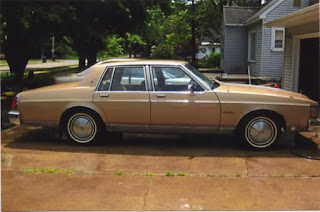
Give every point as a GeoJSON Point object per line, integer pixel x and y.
{"type": "Point", "coordinates": [105, 82]}
{"type": "Point", "coordinates": [128, 79]}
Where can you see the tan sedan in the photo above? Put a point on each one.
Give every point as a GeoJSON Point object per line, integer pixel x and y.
{"type": "Point", "coordinates": [164, 96]}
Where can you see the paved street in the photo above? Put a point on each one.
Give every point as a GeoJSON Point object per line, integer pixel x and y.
{"type": "Point", "coordinates": [48, 64]}
{"type": "Point", "coordinates": [41, 172]}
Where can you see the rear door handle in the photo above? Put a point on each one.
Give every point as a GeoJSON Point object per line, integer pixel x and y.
{"type": "Point", "coordinates": [104, 95]}
{"type": "Point", "coordinates": [161, 95]}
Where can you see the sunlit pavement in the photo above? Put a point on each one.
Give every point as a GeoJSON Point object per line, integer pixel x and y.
{"type": "Point", "coordinates": [42, 172]}
{"type": "Point", "coordinates": [48, 64]}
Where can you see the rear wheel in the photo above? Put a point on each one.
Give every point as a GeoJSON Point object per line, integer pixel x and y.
{"type": "Point", "coordinates": [83, 127]}
{"type": "Point", "coordinates": [259, 131]}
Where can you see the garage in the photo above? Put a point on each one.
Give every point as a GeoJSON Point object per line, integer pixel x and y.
{"type": "Point", "coordinates": [309, 77]}
{"type": "Point", "coordinates": [301, 65]}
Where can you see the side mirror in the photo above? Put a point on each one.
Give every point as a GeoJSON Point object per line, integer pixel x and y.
{"type": "Point", "coordinates": [191, 89]}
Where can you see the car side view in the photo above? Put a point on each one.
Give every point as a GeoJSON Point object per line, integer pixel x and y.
{"type": "Point", "coordinates": [164, 97]}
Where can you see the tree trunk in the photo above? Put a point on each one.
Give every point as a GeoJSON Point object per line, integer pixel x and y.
{"type": "Point", "coordinates": [92, 59]}
{"type": "Point", "coordinates": [82, 59]}
{"type": "Point", "coordinates": [16, 44]}
{"type": "Point", "coordinates": [17, 64]}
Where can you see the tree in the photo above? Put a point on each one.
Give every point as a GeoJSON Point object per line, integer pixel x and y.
{"type": "Point", "coordinates": [174, 31]}
{"type": "Point", "coordinates": [27, 24]}
{"type": "Point", "coordinates": [114, 46]}
{"type": "Point", "coordinates": [134, 43]}
{"type": "Point", "coordinates": [94, 21]}
{"type": "Point", "coordinates": [153, 32]}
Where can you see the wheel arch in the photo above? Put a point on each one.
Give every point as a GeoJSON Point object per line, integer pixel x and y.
{"type": "Point", "coordinates": [71, 109]}
{"type": "Point", "coordinates": [268, 113]}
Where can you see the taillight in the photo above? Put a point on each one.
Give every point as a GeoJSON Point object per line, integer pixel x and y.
{"type": "Point", "coordinates": [314, 111]}
{"type": "Point", "coordinates": [14, 103]}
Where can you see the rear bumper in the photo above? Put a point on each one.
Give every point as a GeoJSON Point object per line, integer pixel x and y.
{"type": "Point", "coordinates": [14, 117]}
{"type": "Point", "coordinates": [314, 125]}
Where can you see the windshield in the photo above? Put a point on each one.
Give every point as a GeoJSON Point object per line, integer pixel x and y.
{"type": "Point", "coordinates": [208, 82]}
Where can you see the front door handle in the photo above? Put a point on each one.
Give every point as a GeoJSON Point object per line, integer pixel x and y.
{"type": "Point", "coordinates": [161, 95]}
{"type": "Point", "coordinates": [104, 95]}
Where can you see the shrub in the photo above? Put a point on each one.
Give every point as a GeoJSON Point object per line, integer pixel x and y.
{"type": "Point", "coordinates": [210, 61]}
{"type": "Point", "coordinates": [164, 51]}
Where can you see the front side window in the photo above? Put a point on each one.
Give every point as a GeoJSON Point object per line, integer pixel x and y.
{"type": "Point", "coordinates": [172, 79]}
{"type": "Point", "coordinates": [277, 39]}
{"type": "Point", "coordinates": [252, 46]}
{"type": "Point", "coordinates": [128, 79]}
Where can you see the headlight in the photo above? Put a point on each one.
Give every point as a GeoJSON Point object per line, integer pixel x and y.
{"type": "Point", "coordinates": [314, 111]}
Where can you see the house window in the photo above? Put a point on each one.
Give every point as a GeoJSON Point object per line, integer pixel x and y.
{"type": "Point", "coordinates": [277, 39]}
{"type": "Point", "coordinates": [296, 3]}
{"type": "Point", "coordinates": [252, 46]}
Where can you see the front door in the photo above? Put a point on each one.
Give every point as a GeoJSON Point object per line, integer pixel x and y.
{"type": "Point", "coordinates": [122, 95]}
{"type": "Point", "coordinates": [175, 108]}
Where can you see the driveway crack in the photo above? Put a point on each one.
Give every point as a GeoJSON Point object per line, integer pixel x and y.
{"type": "Point", "coordinates": [247, 170]}
{"type": "Point", "coordinates": [146, 194]}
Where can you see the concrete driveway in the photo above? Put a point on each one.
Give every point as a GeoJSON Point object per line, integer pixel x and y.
{"type": "Point", "coordinates": [41, 172]}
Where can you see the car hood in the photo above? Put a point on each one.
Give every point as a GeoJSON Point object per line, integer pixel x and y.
{"type": "Point", "coordinates": [263, 91]}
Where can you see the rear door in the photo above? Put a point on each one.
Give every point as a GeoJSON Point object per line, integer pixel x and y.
{"type": "Point", "coordinates": [123, 96]}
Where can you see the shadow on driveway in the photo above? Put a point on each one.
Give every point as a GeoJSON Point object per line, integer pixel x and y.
{"type": "Point", "coordinates": [46, 139]}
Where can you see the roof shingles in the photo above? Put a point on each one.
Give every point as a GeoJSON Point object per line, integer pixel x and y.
{"type": "Point", "coordinates": [238, 15]}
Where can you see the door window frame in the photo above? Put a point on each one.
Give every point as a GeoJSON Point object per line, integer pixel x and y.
{"type": "Point", "coordinates": [112, 76]}
{"type": "Point", "coordinates": [172, 66]}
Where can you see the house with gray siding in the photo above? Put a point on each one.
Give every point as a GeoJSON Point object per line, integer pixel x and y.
{"type": "Point", "coordinates": [247, 41]}
{"type": "Point", "coordinates": [234, 41]}
{"type": "Point", "coordinates": [301, 70]}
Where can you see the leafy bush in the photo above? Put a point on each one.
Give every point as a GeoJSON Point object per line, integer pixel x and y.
{"type": "Point", "coordinates": [114, 47]}
{"type": "Point", "coordinates": [62, 50]}
{"type": "Point", "coordinates": [163, 50]}
{"type": "Point", "coordinates": [210, 61]}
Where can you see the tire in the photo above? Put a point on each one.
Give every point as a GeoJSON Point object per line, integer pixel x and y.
{"type": "Point", "coordinates": [83, 127]}
{"type": "Point", "coordinates": [259, 131]}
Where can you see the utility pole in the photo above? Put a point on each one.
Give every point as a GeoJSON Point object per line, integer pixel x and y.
{"type": "Point", "coordinates": [52, 49]}
{"type": "Point", "coordinates": [193, 36]}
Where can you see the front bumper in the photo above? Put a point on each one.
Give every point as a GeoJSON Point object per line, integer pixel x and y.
{"type": "Point", "coordinates": [14, 117]}
{"type": "Point", "coordinates": [314, 125]}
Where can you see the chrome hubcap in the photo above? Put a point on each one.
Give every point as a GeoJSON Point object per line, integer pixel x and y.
{"type": "Point", "coordinates": [261, 132]}
{"type": "Point", "coordinates": [82, 128]}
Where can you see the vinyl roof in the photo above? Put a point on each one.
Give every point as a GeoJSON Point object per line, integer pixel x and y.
{"type": "Point", "coordinates": [146, 62]}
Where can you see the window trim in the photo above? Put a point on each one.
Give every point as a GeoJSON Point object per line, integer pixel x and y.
{"type": "Point", "coordinates": [273, 38]}
{"type": "Point", "coordinates": [249, 46]}
{"type": "Point", "coordinates": [113, 71]}
{"type": "Point", "coordinates": [101, 78]}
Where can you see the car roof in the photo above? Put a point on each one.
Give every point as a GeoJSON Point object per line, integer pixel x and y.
{"type": "Point", "coordinates": [144, 62]}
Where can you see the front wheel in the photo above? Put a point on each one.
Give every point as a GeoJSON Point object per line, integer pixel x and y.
{"type": "Point", "coordinates": [259, 132]}
{"type": "Point", "coordinates": [83, 128]}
